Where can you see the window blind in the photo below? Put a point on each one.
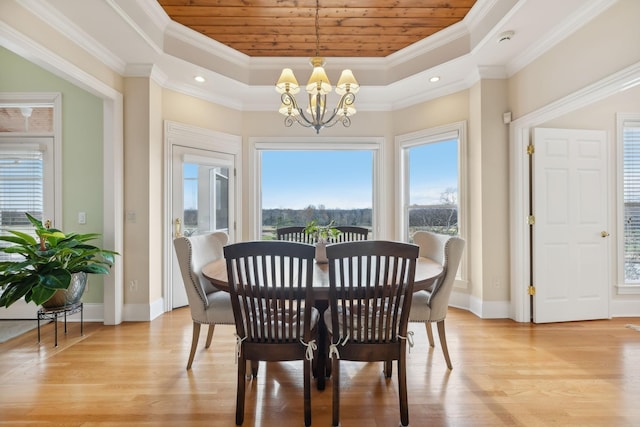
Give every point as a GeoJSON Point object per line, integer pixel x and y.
{"type": "Point", "coordinates": [21, 188]}
{"type": "Point", "coordinates": [631, 180]}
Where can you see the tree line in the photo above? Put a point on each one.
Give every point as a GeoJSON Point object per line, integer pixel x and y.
{"type": "Point", "coordinates": [442, 217]}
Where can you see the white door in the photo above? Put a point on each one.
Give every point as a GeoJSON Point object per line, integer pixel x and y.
{"type": "Point", "coordinates": [202, 201]}
{"type": "Point", "coordinates": [570, 246]}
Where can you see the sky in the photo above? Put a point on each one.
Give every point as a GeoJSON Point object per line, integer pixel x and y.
{"type": "Point", "coordinates": [343, 179]}
{"type": "Point", "coordinates": [339, 179]}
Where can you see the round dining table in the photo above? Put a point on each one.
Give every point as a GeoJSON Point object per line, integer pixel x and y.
{"type": "Point", "coordinates": [427, 272]}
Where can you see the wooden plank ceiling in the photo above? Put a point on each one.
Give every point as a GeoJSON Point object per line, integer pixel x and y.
{"type": "Point", "coordinates": [347, 28]}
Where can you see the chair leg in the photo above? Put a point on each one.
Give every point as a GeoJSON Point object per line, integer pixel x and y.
{"type": "Point", "coordinates": [388, 368]}
{"type": "Point", "coordinates": [307, 393]}
{"type": "Point", "coordinates": [242, 370]}
{"type": "Point", "coordinates": [210, 335]}
{"type": "Point", "coordinates": [194, 343]}
{"type": "Point", "coordinates": [335, 378]}
{"type": "Point", "coordinates": [402, 387]}
{"type": "Point", "coordinates": [427, 325]}
{"type": "Point", "coordinates": [443, 343]}
{"type": "Point", "coordinates": [254, 368]}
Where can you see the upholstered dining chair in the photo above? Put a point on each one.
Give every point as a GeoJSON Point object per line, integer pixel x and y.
{"type": "Point", "coordinates": [370, 289]}
{"type": "Point", "coordinates": [208, 305]}
{"type": "Point", "coordinates": [432, 305]}
{"type": "Point", "coordinates": [350, 233]}
{"type": "Point", "coordinates": [270, 283]}
{"type": "Point", "coordinates": [294, 234]}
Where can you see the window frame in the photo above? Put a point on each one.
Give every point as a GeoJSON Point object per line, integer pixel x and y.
{"type": "Point", "coordinates": [52, 141]}
{"type": "Point", "coordinates": [257, 145]}
{"type": "Point", "coordinates": [623, 288]}
{"type": "Point", "coordinates": [427, 136]}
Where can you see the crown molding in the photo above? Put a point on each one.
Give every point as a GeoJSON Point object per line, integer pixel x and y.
{"type": "Point", "coordinates": [134, 25]}
{"type": "Point", "coordinates": [52, 62]}
{"type": "Point", "coordinates": [60, 23]}
{"type": "Point", "coordinates": [206, 44]}
{"type": "Point", "coordinates": [422, 47]}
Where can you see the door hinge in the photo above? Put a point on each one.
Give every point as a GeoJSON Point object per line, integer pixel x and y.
{"type": "Point", "coordinates": [532, 290]}
{"type": "Point", "coordinates": [530, 149]}
{"type": "Point", "coordinates": [531, 220]}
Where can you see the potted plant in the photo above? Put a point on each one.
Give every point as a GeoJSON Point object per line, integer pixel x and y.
{"type": "Point", "coordinates": [322, 234]}
{"type": "Point", "coordinates": [49, 263]}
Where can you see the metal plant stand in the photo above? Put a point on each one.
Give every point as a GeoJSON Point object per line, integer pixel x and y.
{"type": "Point", "coordinates": [53, 313]}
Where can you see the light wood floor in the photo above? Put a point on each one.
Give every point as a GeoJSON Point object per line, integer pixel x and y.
{"type": "Point", "coordinates": [505, 374]}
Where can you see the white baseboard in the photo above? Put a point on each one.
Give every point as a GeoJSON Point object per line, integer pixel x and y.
{"type": "Point", "coordinates": [482, 309]}
{"type": "Point", "coordinates": [625, 308]}
{"type": "Point", "coordinates": [19, 310]}
{"type": "Point", "coordinates": [143, 312]}
{"type": "Point", "coordinates": [23, 310]}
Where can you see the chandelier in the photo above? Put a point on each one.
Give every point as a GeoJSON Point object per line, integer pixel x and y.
{"type": "Point", "coordinates": [317, 87]}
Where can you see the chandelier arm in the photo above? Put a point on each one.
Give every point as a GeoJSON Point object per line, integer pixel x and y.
{"type": "Point", "coordinates": [345, 100]}
{"type": "Point", "coordinates": [289, 100]}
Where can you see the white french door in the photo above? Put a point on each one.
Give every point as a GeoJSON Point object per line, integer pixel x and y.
{"type": "Point", "coordinates": [571, 263]}
{"type": "Point", "coordinates": [202, 201]}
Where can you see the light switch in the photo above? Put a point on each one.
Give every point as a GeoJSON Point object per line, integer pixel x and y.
{"type": "Point", "coordinates": [82, 217]}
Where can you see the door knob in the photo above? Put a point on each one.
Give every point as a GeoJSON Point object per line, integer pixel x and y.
{"type": "Point", "coordinates": [604, 234]}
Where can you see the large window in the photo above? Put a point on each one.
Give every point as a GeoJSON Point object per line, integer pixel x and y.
{"type": "Point", "coordinates": [300, 182]}
{"type": "Point", "coordinates": [629, 130]}
{"type": "Point", "coordinates": [432, 190]}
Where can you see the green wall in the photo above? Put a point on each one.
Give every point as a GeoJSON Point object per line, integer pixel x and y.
{"type": "Point", "coordinates": [82, 134]}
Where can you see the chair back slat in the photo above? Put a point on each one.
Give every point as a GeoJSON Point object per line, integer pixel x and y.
{"type": "Point", "coordinates": [270, 283]}
{"type": "Point", "coordinates": [371, 283]}
{"type": "Point", "coordinates": [349, 233]}
{"type": "Point", "coordinates": [295, 234]}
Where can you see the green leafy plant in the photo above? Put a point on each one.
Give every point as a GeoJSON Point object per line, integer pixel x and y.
{"type": "Point", "coordinates": [47, 262]}
{"type": "Point", "coordinates": [321, 232]}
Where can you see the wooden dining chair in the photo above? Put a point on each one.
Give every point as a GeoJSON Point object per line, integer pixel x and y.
{"type": "Point", "coordinates": [208, 305]}
{"type": "Point", "coordinates": [294, 234]}
{"type": "Point", "coordinates": [370, 288]}
{"type": "Point", "coordinates": [431, 306]}
{"type": "Point", "coordinates": [350, 233]}
{"type": "Point", "coordinates": [270, 283]}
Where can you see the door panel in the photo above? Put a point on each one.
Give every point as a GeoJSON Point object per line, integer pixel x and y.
{"type": "Point", "coordinates": [570, 257]}
{"type": "Point", "coordinates": [202, 200]}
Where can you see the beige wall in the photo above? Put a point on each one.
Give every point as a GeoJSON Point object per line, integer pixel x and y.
{"type": "Point", "coordinates": [137, 170]}
{"type": "Point", "coordinates": [606, 45]}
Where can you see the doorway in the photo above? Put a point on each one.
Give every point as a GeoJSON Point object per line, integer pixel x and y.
{"type": "Point", "coordinates": [202, 193]}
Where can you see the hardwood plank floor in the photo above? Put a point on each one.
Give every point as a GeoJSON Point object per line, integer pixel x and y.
{"type": "Point", "coordinates": [505, 374]}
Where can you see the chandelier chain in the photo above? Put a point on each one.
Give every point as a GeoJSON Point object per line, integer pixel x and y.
{"type": "Point", "coordinates": [317, 27]}
{"type": "Point", "coordinates": [317, 116]}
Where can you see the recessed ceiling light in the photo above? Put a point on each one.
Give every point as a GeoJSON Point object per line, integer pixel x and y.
{"type": "Point", "coordinates": [434, 79]}
{"type": "Point", "coordinates": [199, 79]}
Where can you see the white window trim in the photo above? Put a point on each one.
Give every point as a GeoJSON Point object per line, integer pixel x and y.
{"type": "Point", "coordinates": [53, 194]}
{"type": "Point", "coordinates": [258, 144]}
{"type": "Point", "coordinates": [622, 287]}
{"type": "Point", "coordinates": [452, 130]}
